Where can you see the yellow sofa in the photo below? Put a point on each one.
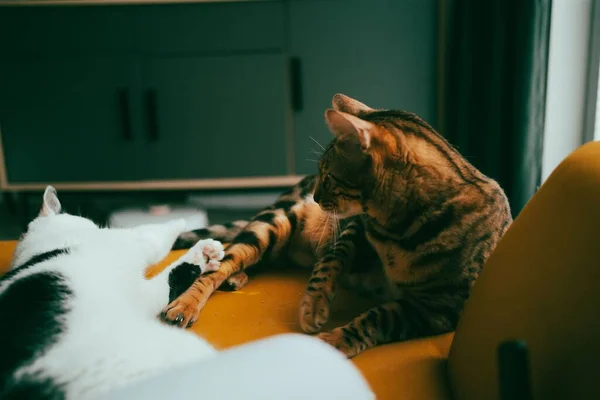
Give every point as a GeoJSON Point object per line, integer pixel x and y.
{"type": "Point", "coordinates": [541, 285]}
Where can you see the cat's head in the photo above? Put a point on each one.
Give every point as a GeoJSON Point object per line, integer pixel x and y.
{"type": "Point", "coordinates": [368, 148]}
{"type": "Point", "coordinates": [51, 229]}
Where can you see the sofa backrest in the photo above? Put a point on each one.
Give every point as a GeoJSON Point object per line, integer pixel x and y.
{"type": "Point", "coordinates": [540, 285]}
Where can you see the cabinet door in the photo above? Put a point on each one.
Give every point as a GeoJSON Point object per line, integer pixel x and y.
{"type": "Point", "coordinates": [381, 52]}
{"type": "Point", "coordinates": [212, 117]}
{"type": "Point", "coordinates": [63, 119]}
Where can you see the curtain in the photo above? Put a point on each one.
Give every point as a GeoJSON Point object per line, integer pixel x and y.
{"type": "Point", "coordinates": [495, 58]}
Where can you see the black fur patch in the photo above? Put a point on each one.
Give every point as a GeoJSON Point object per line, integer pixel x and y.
{"type": "Point", "coordinates": [287, 192]}
{"type": "Point", "coordinates": [247, 237]}
{"type": "Point", "coordinates": [181, 244]}
{"type": "Point", "coordinates": [285, 204]}
{"type": "Point", "coordinates": [31, 309]}
{"type": "Point", "coordinates": [187, 242]}
{"type": "Point", "coordinates": [272, 242]}
{"type": "Point", "coordinates": [316, 279]}
{"type": "Point", "coordinates": [293, 222]}
{"type": "Point", "coordinates": [181, 278]}
{"type": "Point", "coordinates": [351, 335]}
{"type": "Point", "coordinates": [202, 232]}
{"type": "Point", "coordinates": [267, 217]}
{"type": "Point", "coordinates": [38, 258]}
{"type": "Point", "coordinates": [307, 185]}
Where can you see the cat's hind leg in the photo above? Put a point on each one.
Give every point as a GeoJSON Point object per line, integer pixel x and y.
{"type": "Point", "coordinates": [264, 237]}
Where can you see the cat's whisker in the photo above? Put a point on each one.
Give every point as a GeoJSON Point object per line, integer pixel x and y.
{"type": "Point", "coordinates": [317, 142]}
{"type": "Point", "coordinates": [315, 231]}
{"type": "Point", "coordinates": [318, 153]}
{"type": "Point", "coordinates": [337, 230]}
{"type": "Point", "coordinates": [310, 159]}
{"type": "Point", "coordinates": [323, 232]}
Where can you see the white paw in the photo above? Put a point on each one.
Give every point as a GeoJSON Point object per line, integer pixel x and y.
{"type": "Point", "coordinates": [205, 254]}
{"type": "Point", "coordinates": [213, 249]}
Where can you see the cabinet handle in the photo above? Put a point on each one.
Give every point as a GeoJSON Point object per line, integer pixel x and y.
{"type": "Point", "coordinates": [125, 114]}
{"type": "Point", "coordinates": [296, 84]}
{"type": "Point", "coordinates": [151, 114]}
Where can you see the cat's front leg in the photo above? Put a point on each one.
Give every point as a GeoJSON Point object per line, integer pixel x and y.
{"type": "Point", "coordinates": [390, 322]}
{"type": "Point", "coordinates": [205, 256]}
{"type": "Point", "coordinates": [264, 237]}
{"type": "Point", "coordinates": [381, 324]}
{"type": "Point", "coordinates": [315, 304]}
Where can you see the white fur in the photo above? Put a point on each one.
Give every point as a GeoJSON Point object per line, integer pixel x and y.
{"type": "Point", "coordinates": [113, 334]}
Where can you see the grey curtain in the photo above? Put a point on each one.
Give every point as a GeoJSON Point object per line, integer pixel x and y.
{"type": "Point", "coordinates": [496, 55]}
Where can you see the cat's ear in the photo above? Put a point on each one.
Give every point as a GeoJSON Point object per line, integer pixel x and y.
{"type": "Point", "coordinates": [341, 123]}
{"type": "Point", "coordinates": [51, 204]}
{"type": "Point", "coordinates": [346, 104]}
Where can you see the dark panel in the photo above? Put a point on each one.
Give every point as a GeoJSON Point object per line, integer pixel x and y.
{"type": "Point", "coordinates": [212, 117]}
{"type": "Point", "coordinates": [63, 119]}
{"type": "Point", "coordinates": [382, 52]}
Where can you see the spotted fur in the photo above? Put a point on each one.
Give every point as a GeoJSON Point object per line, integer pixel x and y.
{"type": "Point", "coordinates": [395, 210]}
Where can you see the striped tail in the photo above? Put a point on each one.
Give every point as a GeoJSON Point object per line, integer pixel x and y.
{"type": "Point", "coordinates": [223, 233]}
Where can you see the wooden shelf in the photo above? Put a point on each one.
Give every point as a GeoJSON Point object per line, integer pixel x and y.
{"type": "Point", "coordinates": [110, 2]}
{"type": "Point", "coordinates": [158, 185]}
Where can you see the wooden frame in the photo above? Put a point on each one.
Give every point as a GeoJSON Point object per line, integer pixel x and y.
{"type": "Point", "coordinates": [591, 95]}
{"type": "Point", "coordinates": [109, 2]}
{"type": "Point", "coordinates": [177, 184]}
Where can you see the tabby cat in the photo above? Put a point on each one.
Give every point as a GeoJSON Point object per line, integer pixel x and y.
{"type": "Point", "coordinates": [416, 223]}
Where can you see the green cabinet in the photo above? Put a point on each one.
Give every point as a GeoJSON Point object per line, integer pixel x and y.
{"type": "Point", "coordinates": [382, 52]}
{"type": "Point", "coordinates": [203, 91]}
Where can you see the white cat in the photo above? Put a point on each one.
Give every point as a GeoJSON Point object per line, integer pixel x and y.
{"type": "Point", "coordinates": [77, 317]}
